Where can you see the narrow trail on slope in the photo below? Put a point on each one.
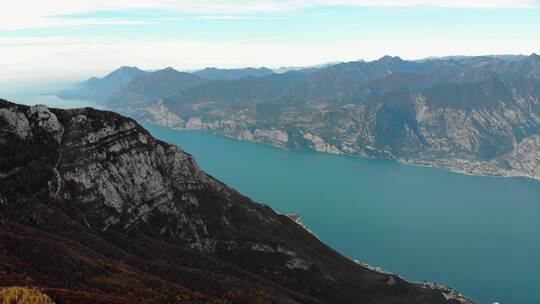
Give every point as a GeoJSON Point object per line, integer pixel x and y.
{"type": "Point", "coordinates": [55, 169]}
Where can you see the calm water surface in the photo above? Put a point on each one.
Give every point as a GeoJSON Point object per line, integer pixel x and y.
{"type": "Point", "coordinates": [479, 235]}
{"type": "Point", "coordinates": [41, 94]}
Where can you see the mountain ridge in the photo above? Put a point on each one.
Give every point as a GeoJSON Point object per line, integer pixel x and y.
{"type": "Point", "coordinates": [212, 73]}
{"type": "Point", "coordinates": [150, 86]}
{"type": "Point", "coordinates": [94, 209]}
{"type": "Point", "coordinates": [101, 88]}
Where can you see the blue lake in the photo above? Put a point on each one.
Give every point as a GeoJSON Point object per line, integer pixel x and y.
{"type": "Point", "coordinates": [479, 235]}
{"type": "Point", "coordinates": [41, 94]}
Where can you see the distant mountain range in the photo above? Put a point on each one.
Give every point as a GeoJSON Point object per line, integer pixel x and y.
{"type": "Point", "coordinates": [102, 88]}
{"type": "Point", "coordinates": [478, 115]}
{"type": "Point", "coordinates": [502, 57]}
{"type": "Point", "coordinates": [93, 209]}
{"type": "Point", "coordinates": [151, 86]}
{"type": "Point", "coordinates": [132, 85]}
{"type": "Point", "coordinates": [297, 68]}
{"type": "Point", "coordinates": [232, 74]}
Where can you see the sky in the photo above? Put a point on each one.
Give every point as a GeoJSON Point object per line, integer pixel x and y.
{"type": "Point", "coordinates": [75, 39]}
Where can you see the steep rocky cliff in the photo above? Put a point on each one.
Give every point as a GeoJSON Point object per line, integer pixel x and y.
{"type": "Point", "coordinates": [93, 209]}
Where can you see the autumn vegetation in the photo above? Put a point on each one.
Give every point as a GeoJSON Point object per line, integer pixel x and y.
{"type": "Point", "coordinates": [22, 295]}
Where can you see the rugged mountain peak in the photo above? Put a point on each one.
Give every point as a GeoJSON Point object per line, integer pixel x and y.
{"type": "Point", "coordinates": [100, 89]}
{"type": "Point", "coordinates": [534, 59]}
{"type": "Point", "coordinates": [132, 219]}
{"type": "Point", "coordinates": [151, 86]}
{"type": "Point", "coordinates": [388, 58]}
{"type": "Point", "coordinates": [126, 68]}
{"type": "Point", "coordinates": [168, 69]}
{"type": "Point", "coordinates": [124, 73]}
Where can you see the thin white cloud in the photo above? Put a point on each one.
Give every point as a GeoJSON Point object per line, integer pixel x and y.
{"type": "Point", "coordinates": [21, 14]}
{"type": "Point", "coordinates": [229, 17]}
{"type": "Point", "coordinates": [33, 41]}
{"type": "Point", "coordinates": [488, 4]}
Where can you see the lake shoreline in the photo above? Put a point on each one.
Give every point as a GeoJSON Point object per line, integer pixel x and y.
{"type": "Point", "coordinates": [459, 166]}
{"type": "Point", "coordinates": [401, 161]}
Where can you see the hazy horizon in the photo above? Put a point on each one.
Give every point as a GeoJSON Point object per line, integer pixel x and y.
{"type": "Point", "coordinates": [59, 81]}
{"type": "Point", "coordinates": [70, 40]}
